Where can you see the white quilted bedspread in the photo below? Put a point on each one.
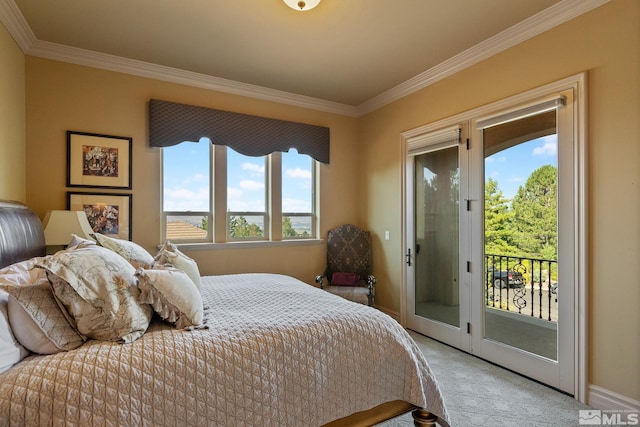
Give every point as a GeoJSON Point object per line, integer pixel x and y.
{"type": "Point", "coordinates": [277, 352]}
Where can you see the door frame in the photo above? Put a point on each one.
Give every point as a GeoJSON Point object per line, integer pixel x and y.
{"type": "Point", "coordinates": [578, 84]}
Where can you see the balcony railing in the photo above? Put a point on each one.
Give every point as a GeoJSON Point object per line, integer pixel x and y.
{"type": "Point", "coordinates": [526, 286]}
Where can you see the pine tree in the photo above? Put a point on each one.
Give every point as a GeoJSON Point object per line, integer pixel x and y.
{"type": "Point", "coordinates": [535, 208]}
{"type": "Point", "coordinates": [498, 237]}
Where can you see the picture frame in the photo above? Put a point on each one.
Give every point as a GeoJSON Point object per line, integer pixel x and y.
{"type": "Point", "coordinates": [96, 160]}
{"type": "Point", "coordinates": [108, 214]}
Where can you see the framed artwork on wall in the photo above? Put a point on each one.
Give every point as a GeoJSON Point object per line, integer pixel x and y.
{"type": "Point", "coordinates": [95, 160]}
{"type": "Point", "coordinates": [108, 214]}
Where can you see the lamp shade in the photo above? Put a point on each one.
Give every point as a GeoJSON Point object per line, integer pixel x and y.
{"type": "Point", "coordinates": [60, 225]}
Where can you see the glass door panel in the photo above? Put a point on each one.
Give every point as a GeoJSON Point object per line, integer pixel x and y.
{"type": "Point", "coordinates": [521, 234]}
{"type": "Point", "coordinates": [437, 188]}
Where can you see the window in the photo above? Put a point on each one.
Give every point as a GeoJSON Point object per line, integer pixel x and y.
{"type": "Point", "coordinates": [297, 195]}
{"type": "Point", "coordinates": [215, 194]}
{"type": "Point", "coordinates": [246, 197]}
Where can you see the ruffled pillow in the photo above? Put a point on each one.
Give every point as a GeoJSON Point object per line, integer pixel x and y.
{"type": "Point", "coordinates": [131, 251]}
{"type": "Point", "coordinates": [169, 254]}
{"type": "Point", "coordinates": [98, 289]}
{"type": "Point", "coordinates": [172, 294]}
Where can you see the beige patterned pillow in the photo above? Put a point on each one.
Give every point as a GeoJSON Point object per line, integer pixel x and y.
{"type": "Point", "coordinates": [37, 320]}
{"type": "Point", "coordinates": [169, 254]}
{"type": "Point", "coordinates": [131, 251]}
{"type": "Point", "coordinates": [98, 288]}
{"type": "Point", "coordinates": [172, 295]}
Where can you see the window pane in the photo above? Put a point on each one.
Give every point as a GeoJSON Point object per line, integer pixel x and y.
{"type": "Point", "coordinates": [294, 226]}
{"type": "Point", "coordinates": [245, 226]}
{"type": "Point", "coordinates": [246, 183]}
{"type": "Point", "coordinates": [186, 177]}
{"type": "Point", "coordinates": [297, 183]}
{"type": "Point", "coordinates": [187, 227]}
{"type": "Point", "coordinates": [297, 195]}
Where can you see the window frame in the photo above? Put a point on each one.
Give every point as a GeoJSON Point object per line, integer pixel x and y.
{"type": "Point", "coordinates": [218, 214]}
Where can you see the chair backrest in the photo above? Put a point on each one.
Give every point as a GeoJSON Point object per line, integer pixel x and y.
{"type": "Point", "coordinates": [348, 251]}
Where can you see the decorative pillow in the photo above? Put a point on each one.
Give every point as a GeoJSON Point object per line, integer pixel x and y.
{"type": "Point", "coordinates": [77, 241]}
{"type": "Point", "coordinates": [18, 274]}
{"type": "Point", "coordinates": [11, 352]}
{"type": "Point", "coordinates": [37, 320]}
{"type": "Point", "coordinates": [98, 289]}
{"type": "Point", "coordinates": [131, 251]}
{"type": "Point", "coordinates": [172, 294]}
{"type": "Point", "coordinates": [345, 279]}
{"type": "Point", "coordinates": [169, 254]}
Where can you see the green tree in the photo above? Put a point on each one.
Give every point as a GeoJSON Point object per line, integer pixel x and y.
{"type": "Point", "coordinates": [287, 228]}
{"type": "Point", "coordinates": [498, 220]}
{"type": "Point", "coordinates": [205, 222]}
{"type": "Point", "coordinates": [535, 207]}
{"type": "Point", "coordinates": [240, 228]}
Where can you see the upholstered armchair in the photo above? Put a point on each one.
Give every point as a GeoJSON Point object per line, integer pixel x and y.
{"type": "Point", "coordinates": [348, 272]}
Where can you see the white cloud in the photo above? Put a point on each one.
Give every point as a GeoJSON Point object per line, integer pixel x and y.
{"type": "Point", "coordinates": [548, 148]}
{"type": "Point", "coordinates": [295, 205]}
{"type": "Point", "coordinates": [247, 184]}
{"type": "Point", "coordinates": [252, 167]}
{"type": "Point", "coordinates": [234, 193]}
{"type": "Point", "coordinates": [298, 173]}
{"type": "Point", "coordinates": [184, 199]}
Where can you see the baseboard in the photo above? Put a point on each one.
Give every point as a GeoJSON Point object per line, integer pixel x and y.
{"type": "Point", "coordinates": [393, 314]}
{"type": "Point", "coordinates": [601, 398]}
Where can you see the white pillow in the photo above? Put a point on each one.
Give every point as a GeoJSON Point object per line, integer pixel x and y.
{"type": "Point", "coordinates": [172, 294]}
{"type": "Point", "coordinates": [38, 321]}
{"type": "Point", "coordinates": [20, 274]}
{"type": "Point", "coordinates": [98, 289]}
{"type": "Point", "coordinates": [169, 254]}
{"type": "Point", "coordinates": [131, 251]}
{"type": "Point", "coordinates": [77, 241]}
{"type": "Point", "coordinates": [11, 352]}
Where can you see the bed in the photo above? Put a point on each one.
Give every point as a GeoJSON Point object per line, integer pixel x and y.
{"type": "Point", "coordinates": [267, 349]}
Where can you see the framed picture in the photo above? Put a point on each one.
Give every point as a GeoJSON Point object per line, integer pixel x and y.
{"type": "Point", "coordinates": [95, 160]}
{"type": "Point", "coordinates": [108, 214]}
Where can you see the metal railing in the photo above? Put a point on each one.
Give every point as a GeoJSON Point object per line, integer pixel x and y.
{"type": "Point", "coordinates": [527, 286]}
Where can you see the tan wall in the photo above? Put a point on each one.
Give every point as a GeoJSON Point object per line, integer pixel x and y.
{"type": "Point", "coordinates": [606, 44]}
{"type": "Point", "coordinates": [63, 97]}
{"type": "Point", "coordinates": [12, 120]}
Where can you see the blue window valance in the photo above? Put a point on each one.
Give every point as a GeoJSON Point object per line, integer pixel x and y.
{"type": "Point", "coordinates": [171, 123]}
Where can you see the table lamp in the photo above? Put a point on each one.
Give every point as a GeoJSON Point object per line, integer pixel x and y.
{"type": "Point", "coordinates": [60, 225]}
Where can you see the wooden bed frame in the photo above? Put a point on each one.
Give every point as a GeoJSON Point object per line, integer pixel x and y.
{"type": "Point", "coordinates": [22, 237]}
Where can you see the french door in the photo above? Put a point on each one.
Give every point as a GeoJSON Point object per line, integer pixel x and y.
{"type": "Point", "coordinates": [485, 259]}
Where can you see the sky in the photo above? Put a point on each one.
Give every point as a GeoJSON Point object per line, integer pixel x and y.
{"type": "Point", "coordinates": [186, 180]}
{"type": "Point", "coordinates": [513, 166]}
{"type": "Point", "coordinates": [186, 175]}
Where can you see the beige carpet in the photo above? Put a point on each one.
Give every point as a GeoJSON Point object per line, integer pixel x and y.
{"type": "Point", "coordinates": [478, 393]}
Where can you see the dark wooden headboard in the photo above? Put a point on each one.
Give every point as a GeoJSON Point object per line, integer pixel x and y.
{"type": "Point", "coordinates": [21, 233]}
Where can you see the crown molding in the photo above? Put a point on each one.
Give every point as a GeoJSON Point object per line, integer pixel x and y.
{"type": "Point", "coordinates": [537, 24]}
{"type": "Point", "coordinates": [561, 12]}
{"type": "Point", "coordinates": [134, 67]}
{"type": "Point", "coordinates": [16, 25]}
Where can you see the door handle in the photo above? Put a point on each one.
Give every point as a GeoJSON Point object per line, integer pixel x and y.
{"type": "Point", "coordinates": [408, 257]}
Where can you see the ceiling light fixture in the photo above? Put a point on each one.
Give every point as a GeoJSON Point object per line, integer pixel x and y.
{"type": "Point", "coordinates": [302, 5]}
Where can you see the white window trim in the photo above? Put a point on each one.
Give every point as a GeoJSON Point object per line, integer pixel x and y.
{"type": "Point", "coordinates": [217, 235]}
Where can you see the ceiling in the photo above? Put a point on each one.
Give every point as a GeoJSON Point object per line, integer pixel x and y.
{"type": "Point", "coordinates": [344, 53]}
